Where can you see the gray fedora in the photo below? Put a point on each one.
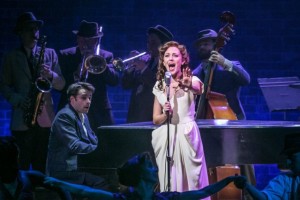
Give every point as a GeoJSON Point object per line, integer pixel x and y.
{"type": "Point", "coordinates": [205, 34]}
{"type": "Point", "coordinates": [25, 19]}
{"type": "Point", "coordinates": [163, 33]}
{"type": "Point", "coordinates": [88, 30]}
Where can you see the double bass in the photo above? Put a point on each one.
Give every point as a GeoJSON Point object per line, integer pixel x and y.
{"type": "Point", "coordinates": [213, 105]}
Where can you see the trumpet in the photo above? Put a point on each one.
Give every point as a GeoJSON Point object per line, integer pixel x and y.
{"type": "Point", "coordinates": [120, 65]}
{"type": "Point", "coordinates": [94, 64]}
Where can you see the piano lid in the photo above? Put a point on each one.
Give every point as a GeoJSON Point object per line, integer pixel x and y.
{"type": "Point", "coordinates": [224, 141]}
{"type": "Point", "coordinates": [214, 123]}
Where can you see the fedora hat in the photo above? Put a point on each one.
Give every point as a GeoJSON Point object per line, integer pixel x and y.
{"type": "Point", "coordinates": [88, 30]}
{"type": "Point", "coordinates": [291, 144]}
{"type": "Point", "coordinates": [27, 18]}
{"type": "Point", "coordinates": [205, 34]}
{"type": "Point", "coordinates": [163, 33]}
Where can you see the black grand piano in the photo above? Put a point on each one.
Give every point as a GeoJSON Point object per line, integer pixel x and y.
{"type": "Point", "coordinates": [224, 141]}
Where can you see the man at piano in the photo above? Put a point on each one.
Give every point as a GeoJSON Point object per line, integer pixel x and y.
{"type": "Point", "coordinates": [285, 186]}
{"type": "Point", "coordinates": [71, 135]}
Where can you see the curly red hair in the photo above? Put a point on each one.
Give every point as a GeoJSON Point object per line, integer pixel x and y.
{"type": "Point", "coordinates": [162, 69]}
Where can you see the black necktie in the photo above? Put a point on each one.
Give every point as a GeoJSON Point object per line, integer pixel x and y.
{"type": "Point", "coordinates": [31, 63]}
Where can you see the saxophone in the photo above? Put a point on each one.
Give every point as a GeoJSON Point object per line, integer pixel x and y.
{"type": "Point", "coordinates": [41, 85]}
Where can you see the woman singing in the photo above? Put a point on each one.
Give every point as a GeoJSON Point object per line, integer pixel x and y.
{"type": "Point", "coordinates": [187, 166]}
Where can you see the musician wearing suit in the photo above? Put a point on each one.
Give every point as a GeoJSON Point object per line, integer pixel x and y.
{"type": "Point", "coordinates": [71, 135]}
{"type": "Point", "coordinates": [228, 76]}
{"type": "Point", "coordinates": [141, 77]}
{"type": "Point", "coordinates": [88, 37]}
{"type": "Point", "coordinates": [20, 70]}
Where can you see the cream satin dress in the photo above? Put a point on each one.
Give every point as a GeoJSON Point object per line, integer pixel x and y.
{"type": "Point", "coordinates": [188, 166]}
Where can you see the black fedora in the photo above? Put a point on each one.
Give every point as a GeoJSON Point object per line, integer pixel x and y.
{"type": "Point", "coordinates": [205, 34]}
{"type": "Point", "coordinates": [26, 18]}
{"type": "Point", "coordinates": [88, 30]}
{"type": "Point", "coordinates": [163, 33]}
{"type": "Point", "coordinates": [291, 144]}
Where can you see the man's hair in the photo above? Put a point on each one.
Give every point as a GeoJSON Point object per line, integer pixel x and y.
{"type": "Point", "coordinates": [9, 151]}
{"type": "Point", "coordinates": [131, 171]}
{"type": "Point", "coordinates": [75, 87]}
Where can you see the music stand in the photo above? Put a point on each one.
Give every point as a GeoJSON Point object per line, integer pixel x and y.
{"type": "Point", "coordinates": [281, 93]}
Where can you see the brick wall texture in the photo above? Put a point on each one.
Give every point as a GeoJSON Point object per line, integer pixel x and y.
{"type": "Point", "coordinates": [266, 40]}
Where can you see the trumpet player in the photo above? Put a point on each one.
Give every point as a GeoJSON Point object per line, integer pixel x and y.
{"type": "Point", "coordinates": [140, 77]}
{"type": "Point", "coordinates": [72, 62]}
{"type": "Point", "coordinates": [19, 72]}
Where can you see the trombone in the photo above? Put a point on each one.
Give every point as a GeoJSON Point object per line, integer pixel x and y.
{"type": "Point", "coordinates": [94, 64]}
{"type": "Point", "coordinates": [119, 64]}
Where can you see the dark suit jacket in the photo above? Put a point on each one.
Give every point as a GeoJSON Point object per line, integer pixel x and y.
{"type": "Point", "coordinates": [141, 99]}
{"type": "Point", "coordinates": [100, 111]}
{"type": "Point", "coordinates": [228, 83]}
{"type": "Point", "coordinates": [68, 140]}
{"type": "Point", "coordinates": [15, 83]}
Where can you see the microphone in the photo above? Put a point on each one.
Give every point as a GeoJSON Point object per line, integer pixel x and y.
{"type": "Point", "coordinates": [168, 82]}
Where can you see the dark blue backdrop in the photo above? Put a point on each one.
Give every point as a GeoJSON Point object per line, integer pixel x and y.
{"type": "Point", "coordinates": [266, 40]}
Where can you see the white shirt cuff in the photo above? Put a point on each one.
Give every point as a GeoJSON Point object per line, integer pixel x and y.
{"type": "Point", "coordinates": [228, 65]}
